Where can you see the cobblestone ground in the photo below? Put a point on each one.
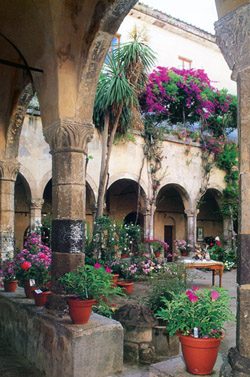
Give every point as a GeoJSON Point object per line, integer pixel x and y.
{"type": "Point", "coordinates": [13, 365]}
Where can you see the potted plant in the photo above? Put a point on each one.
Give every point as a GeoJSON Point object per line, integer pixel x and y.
{"type": "Point", "coordinates": [88, 284]}
{"type": "Point", "coordinates": [197, 317]}
{"type": "Point", "coordinates": [30, 263]}
{"type": "Point", "coordinates": [8, 275]}
{"type": "Point", "coordinates": [157, 246]}
{"type": "Point", "coordinates": [115, 267]}
{"type": "Point", "coordinates": [128, 272]}
{"type": "Point", "coordinates": [42, 280]}
{"type": "Point", "coordinates": [183, 247]}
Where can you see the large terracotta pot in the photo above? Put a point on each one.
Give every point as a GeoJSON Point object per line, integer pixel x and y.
{"type": "Point", "coordinates": [126, 286]}
{"type": "Point", "coordinates": [157, 254]}
{"type": "Point", "coordinates": [10, 285]}
{"type": "Point", "coordinates": [80, 310]}
{"type": "Point", "coordinates": [199, 354]}
{"type": "Point", "coordinates": [41, 298]}
{"type": "Point", "coordinates": [28, 289]}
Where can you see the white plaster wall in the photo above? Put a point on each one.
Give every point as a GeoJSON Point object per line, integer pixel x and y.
{"type": "Point", "coordinates": [126, 161]}
{"type": "Point", "coordinates": [34, 155]}
{"type": "Point", "coordinates": [171, 42]}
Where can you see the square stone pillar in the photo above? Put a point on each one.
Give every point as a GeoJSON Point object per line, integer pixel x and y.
{"type": "Point", "coordinates": [233, 38]}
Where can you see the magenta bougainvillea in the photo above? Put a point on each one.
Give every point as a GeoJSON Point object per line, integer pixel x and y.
{"type": "Point", "coordinates": [184, 96]}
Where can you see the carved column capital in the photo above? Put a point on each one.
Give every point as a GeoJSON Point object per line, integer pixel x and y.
{"type": "Point", "coordinates": [9, 169]}
{"type": "Point", "coordinates": [233, 39]}
{"type": "Point", "coordinates": [66, 135]}
{"type": "Point", "coordinates": [191, 212]}
{"type": "Point", "coordinates": [36, 203]}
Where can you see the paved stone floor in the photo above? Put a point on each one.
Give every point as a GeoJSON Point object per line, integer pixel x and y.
{"type": "Point", "coordinates": [13, 365]}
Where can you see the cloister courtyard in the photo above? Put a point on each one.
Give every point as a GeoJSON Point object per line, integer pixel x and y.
{"type": "Point", "coordinates": [111, 164]}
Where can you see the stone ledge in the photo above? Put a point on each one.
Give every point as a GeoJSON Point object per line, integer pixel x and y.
{"type": "Point", "coordinates": [56, 346]}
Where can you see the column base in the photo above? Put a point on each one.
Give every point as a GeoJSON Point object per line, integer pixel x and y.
{"type": "Point", "coordinates": [240, 365]}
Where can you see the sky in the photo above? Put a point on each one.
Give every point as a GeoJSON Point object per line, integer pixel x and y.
{"type": "Point", "coordinates": [200, 13]}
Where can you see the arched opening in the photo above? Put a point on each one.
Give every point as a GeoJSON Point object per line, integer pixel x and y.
{"type": "Point", "coordinates": [22, 197]}
{"type": "Point", "coordinates": [90, 208]}
{"type": "Point", "coordinates": [209, 219]}
{"type": "Point", "coordinates": [122, 201]}
{"type": "Point", "coordinates": [170, 219]}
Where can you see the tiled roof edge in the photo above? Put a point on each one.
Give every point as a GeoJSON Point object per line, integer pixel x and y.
{"type": "Point", "coordinates": [174, 21]}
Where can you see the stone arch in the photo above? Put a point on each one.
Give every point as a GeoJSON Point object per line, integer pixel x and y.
{"type": "Point", "coordinates": [122, 196]}
{"type": "Point", "coordinates": [44, 181]}
{"type": "Point", "coordinates": [130, 176]}
{"type": "Point", "coordinates": [28, 182]}
{"type": "Point", "coordinates": [209, 217]}
{"type": "Point", "coordinates": [182, 191]}
{"type": "Point", "coordinates": [93, 187]}
{"type": "Point", "coordinates": [16, 120]}
{"type": "Point", "coordinates": [171, 202]}
{"type": "Point", "coordinates": [23, 197]}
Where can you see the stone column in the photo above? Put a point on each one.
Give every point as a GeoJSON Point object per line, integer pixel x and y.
{"type": "Point", "coordinates": [191, 224]}
{"type": "Point", "coordinates": [35, 212]}
{"type": "Point", "coordinates": [68, 142]}
{"type": "Point", "coordinates": [233, 38]}
{"type": "Point", "coordinates": [8, 173]}
{"type": "Point", "coordinates": [227, 227]}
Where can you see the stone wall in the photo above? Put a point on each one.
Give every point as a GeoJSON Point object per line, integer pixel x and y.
{"type": "Point", "coordinates": [57, 347]}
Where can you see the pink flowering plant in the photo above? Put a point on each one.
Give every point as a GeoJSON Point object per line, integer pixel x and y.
{"type": "Point", "coordinates": [183, 246]}
{"type": "Point", "coordinates": [7, 270]}
{"type": "Point", "coordinates": [34, 262]}
{"type": "Point", "coordinates": [157, 245]}
{"type": "Point", "coordinates": [206, 310]}
{"type": "Point", "coordinates": [90, 282]}
{"type": "Point", "coordinates": [129, 270]}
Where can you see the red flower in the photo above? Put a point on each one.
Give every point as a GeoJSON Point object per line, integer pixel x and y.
{"type": "Point", "coordinates": [97, 265]}
{"type": "Point", "coordinates": [25, 266]}
{"type": "Point", "coordinates": [107, 269]}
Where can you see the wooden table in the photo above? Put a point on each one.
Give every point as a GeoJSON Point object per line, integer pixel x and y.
{"type": "Point", "coordinates": [216, 267]}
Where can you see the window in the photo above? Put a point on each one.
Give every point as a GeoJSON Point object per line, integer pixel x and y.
{"type": "Point", "coordinates": [184, 63]}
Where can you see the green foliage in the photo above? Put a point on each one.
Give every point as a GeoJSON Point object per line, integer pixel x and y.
{"type": "Point", "coordinates": [104, 241]}
{"type": "Point", "coordinates": [89, 282]}
{"type": "Point", "coordinates": [220, 253]}
{"type": "Point", "coordinates": [129, 236]}
{"type": "Point", "coordinates": [205, 309]}
{"type": "Point", "coordinates": [166, 286]}
{"type": "Point", "coordinates": [123, 77]}
{"type": "Point", "coordinates": [227, 160]}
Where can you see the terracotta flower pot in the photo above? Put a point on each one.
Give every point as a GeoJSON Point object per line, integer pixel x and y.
{"type": "Point", "coordinates": [114, 279]}
{"type": "Point", "coordinates": [28, 289]}
{"type": "Point", "coordinates": [126, 286]}
{"type": "Point", "coordinates": [10, 285]}
{"type": "Point", "coordinates": [157, 254]}
{"type": "Point", "coordinates": [80, 310]}
{"type": "Point", "coordinates": [124, 256]}
{"type": "Point", "coordinates": [199, 354]}
{"type": "Point", "coordinates": [40, 298]}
